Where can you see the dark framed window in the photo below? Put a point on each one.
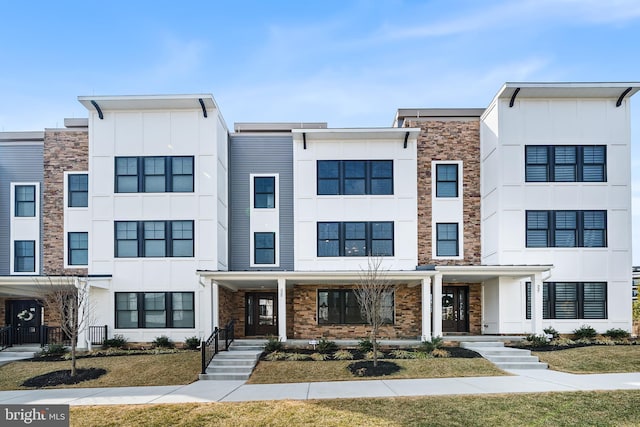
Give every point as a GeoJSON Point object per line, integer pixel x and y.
{"type": "Point", "coordinates": [337, 239]}
{"type": "Point", "coordinates": [566, 229]}
{"type": "Point", "coordinates": [340, 306]}
{"type": "Point", "coordinates": [565, 163]}
{"type": "Point", "coordinates": [78, 190]}
{"type": "Point", "coordinates": [264, 192]}
{"type": "Point", "coordinates": [354, 177]}
{"type": "Point", "coordinates": [78, 248]}
{"type": "Point", "coordinates": [571, 300]}
{"type": "Point", "coordinates": [264, 248]}
{"type": "Point", "coordinates": [154, 174]}
{"type": "Point", "coordinates": [154, 310]}
{"type": "Point", "coordinates": [134, 239]}
{"type": "Point", "coordinates": [25, 200]}
{"type": "Point", "coordinates": [446, 180]}
{"type": "Point", "coordinates": [24, 256]}
{"type": "Point", "coordinates": [447, 239]}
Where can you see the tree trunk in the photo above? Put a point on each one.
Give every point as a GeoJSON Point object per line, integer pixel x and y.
{"type": "Point", "coordinates": [74, 343]}
{"type": "Point", "coordinates": [374, 335]}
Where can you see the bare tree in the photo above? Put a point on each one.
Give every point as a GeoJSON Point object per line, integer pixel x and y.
{"type": "Point", "coordinates": [68, 299]}
{"type": "Point", "coordinates": [372, 289]}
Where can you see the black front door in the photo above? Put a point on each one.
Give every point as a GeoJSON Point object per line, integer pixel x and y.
{"type": "Point", "coordinates": [455, 309]}
{"type": "Point", "coordinates": [26, 317]}
{"type": "Point", "coordinates": [261, 314]}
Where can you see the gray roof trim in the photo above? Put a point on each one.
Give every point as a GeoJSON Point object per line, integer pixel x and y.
{"type": "Point", "coordinates": [17, 137]}
{"type": "Point", "coordinates": [257, 127]}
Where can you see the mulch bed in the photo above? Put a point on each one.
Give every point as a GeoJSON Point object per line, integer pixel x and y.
{"type": "Point", "coordinates": [64, 377]}
{"type": "Point", "coordinates": [455, 352]}
{"type": "Point", "coordinates": [365, 368]}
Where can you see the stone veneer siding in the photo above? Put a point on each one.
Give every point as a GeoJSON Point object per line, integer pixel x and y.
{"type": "Point", "coordinates": [407, 323]}
{"type": "Point", "coordinates": [449, 140]}
{"type": "Point", "coordinates": [64, 150]}
{"type": "Point", "coordinates": [225, 305]}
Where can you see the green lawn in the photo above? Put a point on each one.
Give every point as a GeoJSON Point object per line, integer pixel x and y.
{"type": "Point", "coordinates": [594, 359]}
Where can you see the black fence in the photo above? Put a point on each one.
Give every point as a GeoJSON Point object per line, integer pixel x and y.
{"type": "Point", "coordinates": [211, 347]}
{"type": "Point", "coordinates": [53, 335]}
{"type": "Point", "coordinates": [6, 339]}
{"type": "Point", "coordinates": [97, 334]}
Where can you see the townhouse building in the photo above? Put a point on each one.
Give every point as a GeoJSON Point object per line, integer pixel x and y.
{"type": "Point", "coordinates": [500, 220]}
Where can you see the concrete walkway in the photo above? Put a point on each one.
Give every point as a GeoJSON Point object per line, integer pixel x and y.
{"type": "Point", "coordinates": [522, 381]}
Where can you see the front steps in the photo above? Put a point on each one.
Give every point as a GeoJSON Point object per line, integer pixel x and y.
{"type": "Point", "coordinates": [18, 352]}
{"type": "Point", "coordinates": [505, 357]}
{"type": "Point", "coordinates": [237, 363]}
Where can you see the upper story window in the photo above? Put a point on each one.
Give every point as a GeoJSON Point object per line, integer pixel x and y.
{"type": "Point", "coordinates": [78, 248]}
{"type": "Point", "coordinates": [447, 239]}
{"type": "Point", "coordinates": [355, 177]}
{"type": "Point", "coordinates": [25, 200]}
{"type": "Point", "coordinates": [446, 180]}
{"type": "Point", "coordinates": [154, 175]}
{"type": "Point", "coordinates": [264, 248]}
{"type": "Point", "coordinates": [565, 163]}
{"type": "Point", "coordinates": [264, 192]}
{"type": "Point", "coordinates": [337, 239]}
{"type": "Point", "coordinates": [566, 229]}
{"type": "Point", "coordinates": [135, 239]}
{"type": "Point", "coordinates": [78, 190]}
{"type": "Point", "coordinates": [24, 256]}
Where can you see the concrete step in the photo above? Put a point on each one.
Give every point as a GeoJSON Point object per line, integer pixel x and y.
{"type": "Point", "coordinates": [230, 369]}
{"type": "Point", "coordinates": [18, 354]}
{"type": "Point", "coordinates": [236, 362]}
{"type": "Point", "coordinates": [500, 352]}
{"type": "Point", "coordinates": [239, 354]}
{"type": "Point", "coordinates": [504, 359]}
{"type": "Point", "coordinates": [522, 365]}
{"type": "Point", "coordinates": [224, 377]}
{"type": "Point", "coordinates": [482, 344]}
{"type": "Point", "coordinates": [259, 348]}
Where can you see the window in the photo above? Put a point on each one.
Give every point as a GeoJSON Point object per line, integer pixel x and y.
{"type": "Point", "coordinates": [446, 180]}
{"type": "Point", "coordinates": [337, 239]}
{"type": "Point", "coordinates": [155, 310]}
{"type": "Point", "coordinates": [340, 306]}
{"type": "Point", "coordinates": [264, 248]}
{"type": "Point", "coordinates": [566, 229]}
{"type": "Point", "coordinates": [135, 239]}
{"type": "Point", "coordinates": [25, 200]}
{"type": "Point", "coordinates": [354, 177]}
{"type": "Point", "coordinates": [78, 191]}
{"type": "Point", "coordinates": [24, 258]}
{"type": "Point", "coordinates": [264, 192]}
{"type": "Point", "coordinates": [78, 247]}
{"type": "Point", "coordinates": [447, 239]}
{"type": "Point", "coordinates": [154, 174]}
{"type": "Point", "coordinates": [571, 300]}
{"type": "Point", "coordinates": [565, 163]}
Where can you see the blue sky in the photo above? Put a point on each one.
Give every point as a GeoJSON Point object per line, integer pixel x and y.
{"type": "Point", "coordinates": [349, 63]}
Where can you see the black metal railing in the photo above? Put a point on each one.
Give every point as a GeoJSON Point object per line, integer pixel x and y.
{"type": "Point", "coordinates": [53, 335]}
{"type": "Point", "coordinates": [6, 339]}
{"type": "Point", "coordinates": [211, 347]}
{"type": "Point", "coordinates": [97, 334]}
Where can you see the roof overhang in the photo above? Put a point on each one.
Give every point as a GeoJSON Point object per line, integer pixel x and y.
{"type": "Point", "coordinates": [31, 286]}
{"type": "Point", "coordinates": [148, 102]}
{"type": "Point", "coordinates": [345, 134]}
{"type": "Point", "coordinates": [613, 90]}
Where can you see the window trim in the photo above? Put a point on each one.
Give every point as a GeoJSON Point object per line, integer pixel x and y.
{"type": "Point", "coordinates": [552, 228]}
{"type": "Point", "coordinates": [256, 248]}
{"type": "Point", "coordinates": [549, 300]}
{"type": "Point", "coordinates": [168, 310]}
{"type": "Point", "coordinates": [342, 177]}
{"type": "Point", "coordinates": [368, 238]}
{"type": "Point", "coordinates": [17, 203]}
{"type": "Point", "coordinates": [551, 163]}
{"type": "Point", "coordinates": [69, 192]}
{"type": "Point", "coordinates": [16, 257]}
{"type": "Point", "coordinates": [71, 250]}
{"type": "Point", "coordinates": [256, 192]}
{"type": "Point", "coordinates": [342, 305]}
{"type": "Point", "coordinates": [141, 174]}
{"type": "Point", "coordinates": [141, 239]}
{"type": "Point", "coordinates": [456, 180]}
{"type": "Point", "coordinates": [438, 240]}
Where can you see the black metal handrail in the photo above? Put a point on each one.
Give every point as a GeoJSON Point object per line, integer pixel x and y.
{"type": "Point", "coordinates": [6, 337]}
{"type": "Point", "coordinates": [97, 334]}
{"type": "Point", "coordinates": [53, 335]}
{"type": "Point", "coordinates": [211, 347]}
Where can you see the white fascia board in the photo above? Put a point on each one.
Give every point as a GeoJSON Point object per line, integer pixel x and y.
{"type": "Point", "coordinates": [354, 133]}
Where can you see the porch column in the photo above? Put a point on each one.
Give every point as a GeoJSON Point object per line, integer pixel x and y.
{"type": "Point", "coordinates": [426, 309]}
{"type": "Point", "coordinates": [215, 305]}
{"type": "Point", "coordinates": [437, 305]}
{"type": "Point", "coordinates": [282, 309]}
{"type": "Point", "coordinates": [536, 304]}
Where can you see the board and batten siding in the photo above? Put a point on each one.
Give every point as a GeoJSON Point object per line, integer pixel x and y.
{"type": "Point", "coordinates": [259, 154]}
{"type": "Point", "coordinates": [20, 162]}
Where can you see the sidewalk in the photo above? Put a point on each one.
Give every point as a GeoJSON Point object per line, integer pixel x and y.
{"type": "Point", "coordinates": [522, 381]}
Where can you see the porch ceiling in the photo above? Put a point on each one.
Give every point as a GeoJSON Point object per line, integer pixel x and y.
{"type": "Point", "coordinates": [30, 286]}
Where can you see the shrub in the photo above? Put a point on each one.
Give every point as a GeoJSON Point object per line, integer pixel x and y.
{"type": "Point", "coordinates": [432, 344]}
{"type": "Point", "coordinates": [403, 354]}
{"type": "Point", "coordinates": [584, 341]}
{"type": "Point", "coordinates": [276, 355]}
{"type": "Point", "coordinates": [118, 341]}
{"type": "Point", "coordinates": [273, 344]}
{"type": "Point", "coordinates": [562, 342]}
{"type": "Point", "coordinates": [422, 355]}
{"type": "Point", "coordinates": [343, 355]}
{"type": "Point", "coordinates": [326, 346]}
{"type": "Point", "coordinates": [319, 357]}
{"type": "Point", "coordinates": [440, 352]}
{"type": "Point", "coordinates": [192, 343]}
{"type": "Point", "coordinates": [163, 341]}
{"type": "Point", "coordinates": [537, 340]}
{"type": "Point", "coordinates": [551, 331]}
{"type": "Point", "coordinates": [369, 355]}
{"type": "Point", "coordinates": [605, 341]}
{"type": "Point", "coordinates": [584, 331]}
{"type": "Point", "coordinates": [617, 333]}
{"type": "Point", "coordinates": [54, 350]}
{"type": "Point", "coordinates": [365, 345]}
{"type": "Point", "coordinates": [297, 356]}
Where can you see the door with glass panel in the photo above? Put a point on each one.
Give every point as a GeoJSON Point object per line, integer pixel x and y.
{"type": "Point", "coordinates": [261, 314]}
{"type": "Point", "coordinates": [455, 309]}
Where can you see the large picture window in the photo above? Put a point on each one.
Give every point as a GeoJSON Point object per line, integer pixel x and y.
{"type": "Point", "coordinates": [565, 163]}
{"type": "Point", "coordinates": [25, 200]}
{"type": "Point", "coordinates": [354, 177]}
{"type": "Point", "coordinates": [566, 229]}
{"type": "Point", "coordinates": [340, 306]}
{"type": "Point", "coordinates": [571, 300]}
{"type": "Point", "coordinates": [338, 239]}
{"type": "Point", "coordinates": [155, 310]}
{"type": "Point", "coordinates": [78, 190]}
{"type": "Point", "coordinates": [134, 239]}
{"type": "Point", "coordinates": [154, 174]}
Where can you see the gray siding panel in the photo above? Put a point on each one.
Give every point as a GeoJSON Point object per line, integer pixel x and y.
{"type": "Point", "coordinates": [259, 153]}
{"type": "Point", "coordinates": [18, 163]}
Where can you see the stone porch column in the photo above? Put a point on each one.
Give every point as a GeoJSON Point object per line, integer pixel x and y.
{"type": "Point", "coordinates": [536, 304]}
{"type": "Point", "coordinates": [282, 309]}
{"type": "Point", "coordinates": [215, 305]}
{"type": "Point", "coordinates": [426, 308]}
{"type": "Point", "coordinates": [437, 305]}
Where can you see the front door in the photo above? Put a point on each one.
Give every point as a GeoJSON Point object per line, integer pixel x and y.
{"type": "Point", "coordinates": [26, 317]}
{"type": "Point", "coordinates": [455, 305]}
{"type": "Point", "coordinates": [261, 314]}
